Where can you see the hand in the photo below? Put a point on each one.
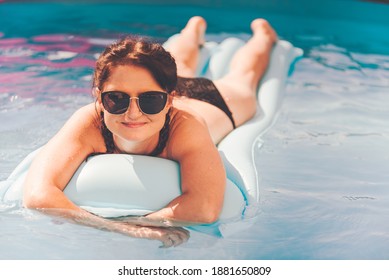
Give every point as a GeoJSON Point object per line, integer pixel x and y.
{"type": "Point", "coordinates": [169, 236]}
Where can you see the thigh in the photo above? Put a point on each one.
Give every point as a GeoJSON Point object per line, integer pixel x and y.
{"type": "Point", "coordinates": [240, 99]}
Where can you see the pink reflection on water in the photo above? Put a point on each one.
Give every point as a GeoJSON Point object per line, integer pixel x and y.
{"type": "Point", "coordinates": [62, 42]}
{"type": "Point", "coordinates": [30, 85]}
{"type": "Point", "coordinates": [76, 62]}
{"type": "Point", "coordinates": [59, 38]}
{"type": "Point", "coordinates": [13, 77]}
{"type": "Point", "coordinates": [46, 67]}
{"type": "Point", "coordinates": [12, 41]}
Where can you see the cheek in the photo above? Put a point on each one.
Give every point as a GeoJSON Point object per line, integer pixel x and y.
{"type": "Point", "coordinates": [110, 122]}
{"type": "Point", "coordinates": [157, 122]}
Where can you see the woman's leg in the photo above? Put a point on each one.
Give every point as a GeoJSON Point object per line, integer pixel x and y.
{"type": "Point", "coordinates": [250, 62]}
{"type": "Point", "coordinates": [185, 49]}
{"type": "Point", "coordinates": [247, 67]}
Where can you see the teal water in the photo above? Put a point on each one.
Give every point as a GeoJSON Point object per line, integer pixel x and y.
{"type": "Point", "coordinates": [323, 166]}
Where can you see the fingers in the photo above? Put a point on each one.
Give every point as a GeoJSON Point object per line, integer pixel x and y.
{"type": "Point", "coordinates": [173, 237]}
{"type": "Point", "coordinates": [170, 236]}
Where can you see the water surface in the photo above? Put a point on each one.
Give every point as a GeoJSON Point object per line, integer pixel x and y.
{"type": "Point", "coordinates": [324, 166]}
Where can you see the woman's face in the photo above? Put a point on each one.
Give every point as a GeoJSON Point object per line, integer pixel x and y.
{"type": "Point", "coordinates": [133, 126]}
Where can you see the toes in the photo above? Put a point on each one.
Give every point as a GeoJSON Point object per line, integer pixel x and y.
{"type": "Point", "coordinates": [259, 23]}
{"type": "Point", "coordinates": [198, 21]}
{"type": "Point", "coordinates": [263, 28]}
{"type": "Point", "coordinates": [198, 25]}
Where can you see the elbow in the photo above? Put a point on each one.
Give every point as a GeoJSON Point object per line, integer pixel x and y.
{"type": "Point", "coordinates": [208, 212]}
{"type": "Point", "coordinates": [205, 214]}
{"type": "Point", "coordinates": [33, 202]}
{"type": "Point", "coordinates": [35, 199]}
{"type": "Point", "coordinates": [209, 219]}
{"type": "Point", "coordinates": [209, 215]}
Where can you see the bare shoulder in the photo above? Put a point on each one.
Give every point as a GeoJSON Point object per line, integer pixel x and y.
{"type": "Point", "coordinates": [87, 115]}
{"type": "Point", "coordinates": [84, 127]}
{"type": "Point", "coordinates": [85, 118]}
{"type": "Point", "coordinates": [188, 133]}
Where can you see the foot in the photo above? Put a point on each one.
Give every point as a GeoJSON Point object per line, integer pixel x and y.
{"type": "Point", "coordinates": [186, 48]}
{"type": "Point", "coordinates": [198, 26]}
{"type": "Point", "coordinates": [262, 28]}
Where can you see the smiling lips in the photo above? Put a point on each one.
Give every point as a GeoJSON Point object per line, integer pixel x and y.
{"type": "Point", "coordinates": [133, 124]}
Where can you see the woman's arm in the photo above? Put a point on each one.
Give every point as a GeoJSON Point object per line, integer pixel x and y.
{"type": "Point", "coordinates": [56, 163]}
{"type": "Point", "coordinates": [203, 177]}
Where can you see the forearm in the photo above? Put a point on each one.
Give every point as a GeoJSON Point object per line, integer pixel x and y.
{"type": "Point", "coordinates": [54, 202]}
{"type": "Point", "coordinates": [169, 236]}
{"type": "Point", "coordinates": [82, 217]}
{"type": "Point", "coordinates": [187, 209]}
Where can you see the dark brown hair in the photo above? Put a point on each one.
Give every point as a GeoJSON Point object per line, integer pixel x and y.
{"type": "Point", "coordinates": [141, 52]}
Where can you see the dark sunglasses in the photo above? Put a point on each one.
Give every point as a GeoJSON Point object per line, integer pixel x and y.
{"type": "Point", "coordinates": [149, 102]}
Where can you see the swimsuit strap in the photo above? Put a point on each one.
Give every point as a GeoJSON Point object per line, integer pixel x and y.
{"type": "Point", "coordinates": [163, 136]}
{"type": "Point", "coordinates": [107, 135]}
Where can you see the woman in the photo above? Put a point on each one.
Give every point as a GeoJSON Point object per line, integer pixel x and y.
{"type": "Point", "coordinates": [143, 108]}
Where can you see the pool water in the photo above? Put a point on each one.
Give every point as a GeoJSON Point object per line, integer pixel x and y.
{"type": "Point", "coordinates": [324, 165]}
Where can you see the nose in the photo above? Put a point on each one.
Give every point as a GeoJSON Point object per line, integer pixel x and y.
{"type": "Point", "coordinates": [133, 110]}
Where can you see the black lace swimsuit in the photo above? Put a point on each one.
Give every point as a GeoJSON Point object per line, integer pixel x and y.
{"type": "Point", "coordinates": [204, 90]}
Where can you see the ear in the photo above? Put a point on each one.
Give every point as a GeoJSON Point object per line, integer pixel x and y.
{"type": "Point", "coordinates": [96, 92]}
{"type": "Point", "coordinates": [173, 93]}
{"type": "Point", "coordinates": [170, 99]}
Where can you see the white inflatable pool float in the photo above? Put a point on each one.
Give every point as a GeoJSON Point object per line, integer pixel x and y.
{"type": "Point", "coordinates": [122, 185]}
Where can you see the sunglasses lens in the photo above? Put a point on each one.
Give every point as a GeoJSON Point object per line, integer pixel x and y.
{"type": "Point", "coordinates": [152, 102]}
{"type": "Point", "coordinates": [115, 102]}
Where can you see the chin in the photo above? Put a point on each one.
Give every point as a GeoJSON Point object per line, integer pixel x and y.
{"type": "Point", "coordinates": [136, 135]}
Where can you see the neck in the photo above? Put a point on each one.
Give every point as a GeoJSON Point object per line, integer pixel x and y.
{"type": "Point", "coordinates": [153, 147]}
{"type": "Point", "coordinates": [133, 147]}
